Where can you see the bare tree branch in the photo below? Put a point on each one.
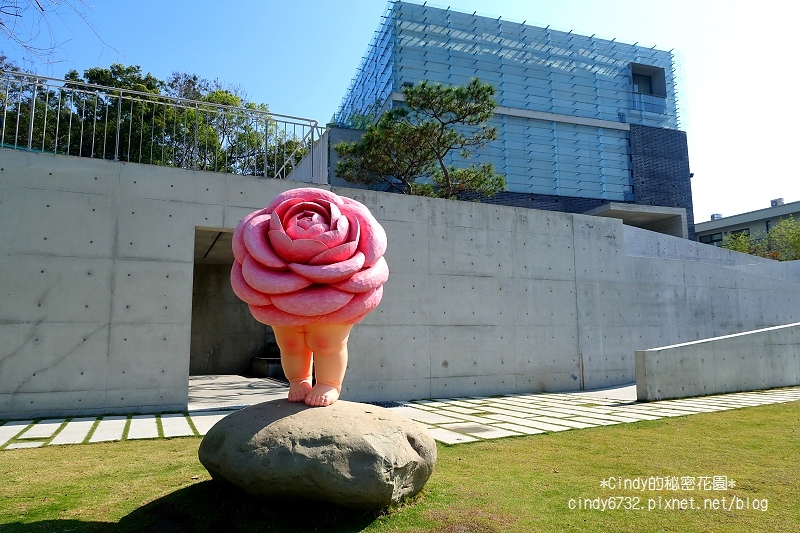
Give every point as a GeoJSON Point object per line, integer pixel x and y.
{"type": "Point", "coordinates": [29, 26]}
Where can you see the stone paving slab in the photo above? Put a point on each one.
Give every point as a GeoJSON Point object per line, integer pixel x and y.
{"type": "Point", "coordinates": [28, 444]}
{"type": "Point", "coordinates": [595, 421]}
{"type": "Point", "coordinates": [75, 431]}
{"type": "Point", "coordinates": [450, 437]}
{"type": "Point", "coordinates": [110, 428]}
{"type": "Point", "coordinates": [9, 430]}
{"type": "Point", "coordinates": [529, 423]}
{"type": "Point", "coordinates": [176, 425]}
{"type": "Point", "coordinates": [519, 429]}
{"type": "Point", "coordinates": [143, 427]}
{"type": "Point", "coordinates": [480, 430]}
{"type": "Point", "coordinates": [205, 421]}
{"type": "Point", "coordinates": [451, 420]}
{"type": "Point", "coordinates": [572, 423]}
{"type": "Point", "coordinates": [44, 429]}
{"type": "Point", "coordinates": [425, 417]}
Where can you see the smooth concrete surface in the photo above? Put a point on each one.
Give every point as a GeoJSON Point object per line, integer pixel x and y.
{"type": "Point", "coordinates": [96, 273]}
{"type": "Point", "coordinates": [97, 267]}
{"type": "Point", "coordinates": [109, 428]}
{"type": "Point", "coordinates": [176, 425]}
{"type": "Point", "coordinates": [668, 220]}
{"type": "Point", "coordinates": [75, 432]}
{"type": "Point", "coordinates": [752, 360]}
{"type": "Point", "coordinates": [143, 427]}
{"type": "Point", "coordinates": [232, 392]}
{"type": "Point", "coordinates": [43, 429]}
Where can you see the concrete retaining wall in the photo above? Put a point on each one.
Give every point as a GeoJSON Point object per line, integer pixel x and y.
{"type": "Point", "coordinates": [747, 361]}
{"type": "Point", "coordinates": [96, 263]}
{"type": "Point", "coordinates": [96, 274]}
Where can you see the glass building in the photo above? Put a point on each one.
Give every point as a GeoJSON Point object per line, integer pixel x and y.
{"type": "Point", "coordinates": [585, 125]}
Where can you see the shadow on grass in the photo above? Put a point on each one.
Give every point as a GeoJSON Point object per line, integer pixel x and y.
{"type": "Point", "coordinates": [213, 506]}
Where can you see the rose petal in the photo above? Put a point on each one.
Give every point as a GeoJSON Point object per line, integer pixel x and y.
{"type": "Point", "coordinates": [314, 301]}
{"type": "Point", "coordinates": [300, 251]}
{"type": "Point", "coordinates": [244, 291]}
{"type": "Point", "coordinates": [255, 240]}
{"type": "Point", "coordinates": [304, 193]}
{"type": "Point", "coordinates": [373, 237]}
{"type": "Point", "coordinates": [322, 208]}
{"type": "Point", "coordinates": [275, 317]}
{"type": "Point", "coordinates": [239, 248]}
{"type": "Point", "coordinates": [307, 222]}
{"type": "Point", "coordinates": [341, 252]}
{"type": "Point", "coordinates": [271, 281]}
{"type": "Point", "coordinates": [336, 236]}
{"type": "Point", "coordinates": [359, 306]}
{"type": "Point", "coordinates": [296, 231]}
{"type": "Point", "coordinates": [335, 255]}
{"type": "Point", "coordinates": [366, 279]}
{"type": "Point", "coordinates": [283, 207]}
{"type": "Point", "coordinates": [357, 319]}
{"type": "Point", "coordinates": [330, 273]}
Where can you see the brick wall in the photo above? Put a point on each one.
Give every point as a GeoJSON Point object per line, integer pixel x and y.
{"type": "Point", "coordinates": [660, 168]}
{"type": "Point", "coordinates": [564, 204]}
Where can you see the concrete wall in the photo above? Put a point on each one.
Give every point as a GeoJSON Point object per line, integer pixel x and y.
{"type": "Point", "coordinates": [314, 167]}
{"type": "Point", "coordinates": [96, 278]}
{"type": "Point", "coordinates": [752, 360]}
{"type": "Point", "coordinates": [96, 264]}
{"type": "Point", "coordinates": [680, 291]}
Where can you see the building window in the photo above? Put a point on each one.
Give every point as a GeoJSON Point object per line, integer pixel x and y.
{"type": "Point", "coordinates": [649, 85]}
{"type": "Point", "coordinates": [746, 231]}
{"type": "Point", "coordinates": [642, 84]}
{"type": "Point", "coordinates": [714, 239]}
{"type": "Point", "coordinates": [769, 225]}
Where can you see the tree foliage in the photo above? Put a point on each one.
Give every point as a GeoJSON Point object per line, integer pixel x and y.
{"type": "Point", "coordinates": [186, 121]}
{"type": "Point", "coordinates": [407, 149]}
{"type": "Point", "coordinates": [782, 241]}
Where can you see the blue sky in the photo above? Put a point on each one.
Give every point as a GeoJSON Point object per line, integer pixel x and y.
{"type": "Point", "coordinates": [735, 58]}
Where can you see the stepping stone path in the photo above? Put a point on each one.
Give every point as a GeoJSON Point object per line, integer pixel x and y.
{"type": "Point", "coordinates": [449, 420]}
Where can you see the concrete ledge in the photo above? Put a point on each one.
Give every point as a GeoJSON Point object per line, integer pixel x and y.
{"type": "Point", "coordinates": [668, 220]}
{"type": "Point", "coordinates": [752, 360]}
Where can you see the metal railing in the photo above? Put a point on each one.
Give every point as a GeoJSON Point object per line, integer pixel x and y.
{"type": "Point", "coordinates": [66, 117]}
{"type": "Point", "coordinates": [649, 102]}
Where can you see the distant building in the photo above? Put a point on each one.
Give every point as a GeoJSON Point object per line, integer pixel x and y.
{"type": "Point", "coordinates": [755, 223]}
{"type": "Point", "coordinates": [585, 125]}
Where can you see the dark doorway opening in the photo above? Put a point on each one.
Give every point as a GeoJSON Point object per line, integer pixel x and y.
{"type": "Point", "coordinates": [225, 338]}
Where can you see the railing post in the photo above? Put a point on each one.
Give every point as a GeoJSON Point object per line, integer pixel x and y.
{"type": "Point", "coordinates": [119, 124]}
{"type": "Point", "coordinates": [33, 113]}
{"type": "Point", "coordinates": [196, 133]}
{"type": "Point", "coordinates": [266, 145]}
{"type": "Point", "coordinates": [313, 131]}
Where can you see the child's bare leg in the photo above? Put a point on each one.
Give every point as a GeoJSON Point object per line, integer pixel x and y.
{"type": "Point", "coordinates": [296, 360]}
{"type": "Point", "coordinates": [329, 344]}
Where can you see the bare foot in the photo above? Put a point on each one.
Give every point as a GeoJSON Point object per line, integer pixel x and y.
{"type": "Point", "coordinates": [298, 391]}
{"type": "Point", "coordinates": [322, 395]}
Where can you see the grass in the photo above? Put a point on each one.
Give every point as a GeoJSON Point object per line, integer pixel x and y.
{"type": "Point", "coordinates": [515, 484]}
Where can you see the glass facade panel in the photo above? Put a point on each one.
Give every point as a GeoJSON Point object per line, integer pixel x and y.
{"type": "Point", "coordinates": [533, 69]}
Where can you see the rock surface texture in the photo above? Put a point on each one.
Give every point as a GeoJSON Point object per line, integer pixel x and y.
{"type": "Point", "coordinates": [350, 454]}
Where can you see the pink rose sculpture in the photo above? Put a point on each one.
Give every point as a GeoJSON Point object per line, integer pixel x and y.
{"type": "Point", "coordinates": [309, 256]}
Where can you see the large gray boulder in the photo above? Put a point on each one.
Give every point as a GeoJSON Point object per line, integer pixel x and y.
{"type": "Point", "coordinates": [350, 454]}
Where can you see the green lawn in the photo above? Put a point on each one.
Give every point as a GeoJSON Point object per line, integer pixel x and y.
{"type": "Point", "coordinates": [516, 484]}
